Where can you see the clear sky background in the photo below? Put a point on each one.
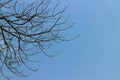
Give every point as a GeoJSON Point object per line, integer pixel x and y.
{"type": "Point", "coordinates": [95, 55]}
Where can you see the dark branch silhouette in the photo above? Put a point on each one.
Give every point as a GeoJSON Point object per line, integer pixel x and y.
{"type": "Point", "coordinates": [24, 27]}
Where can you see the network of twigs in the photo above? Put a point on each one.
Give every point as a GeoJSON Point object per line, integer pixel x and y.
{"type": "Point", "coordinates": [24, 26]}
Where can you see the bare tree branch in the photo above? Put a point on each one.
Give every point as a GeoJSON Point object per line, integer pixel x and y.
{"type": "Point", "coordinates": [24, 27]}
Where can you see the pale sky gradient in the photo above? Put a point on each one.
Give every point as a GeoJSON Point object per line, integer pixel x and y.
{"type": "Point", "coordinates": [95, 55]}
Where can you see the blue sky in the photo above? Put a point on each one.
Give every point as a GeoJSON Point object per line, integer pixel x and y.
{"type": "Point", "coordinates": [95, 55]}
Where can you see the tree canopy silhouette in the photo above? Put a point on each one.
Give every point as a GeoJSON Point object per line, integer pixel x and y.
{"type": "Point", "coordinates": [25, 26]}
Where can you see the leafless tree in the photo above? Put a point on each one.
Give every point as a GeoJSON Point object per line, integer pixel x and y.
{"type": "Point", "coordinates": [24, 27]}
